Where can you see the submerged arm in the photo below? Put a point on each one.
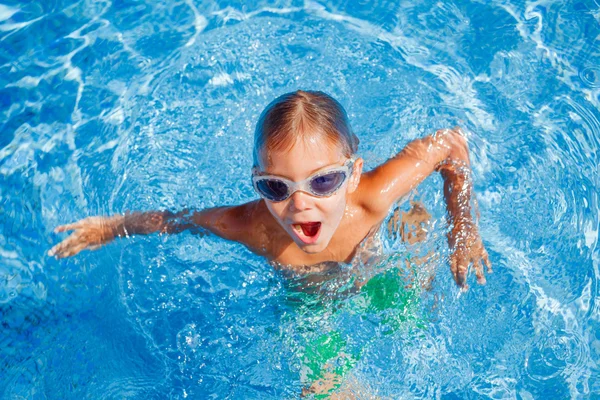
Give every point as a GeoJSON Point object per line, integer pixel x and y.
{"type": "Point", "coordinates": [93, 232]}
{"type": "Point", "coordinates": [447, 152]}
{"type": "Point", "coordinates": [463, 238]}
{"type": "Point", "coordinates": [144, 223]}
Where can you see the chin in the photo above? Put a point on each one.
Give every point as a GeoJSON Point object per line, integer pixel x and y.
{"type": "Point", "coordinates": [312, 248]}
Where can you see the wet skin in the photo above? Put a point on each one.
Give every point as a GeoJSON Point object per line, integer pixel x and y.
{"type": "Point", "coordinates": [347, 217]}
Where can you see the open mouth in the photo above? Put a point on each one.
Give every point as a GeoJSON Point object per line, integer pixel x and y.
{"type": "Point", "coordinates": [308, 232]}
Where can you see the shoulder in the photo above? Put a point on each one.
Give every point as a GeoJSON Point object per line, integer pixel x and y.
{"type": "Point", "coordinates": [382, 187]}
{"type": "Point", "coordinates": [370, 197]}
{"type": "Point", "coordinates": [227, 221]}
{"type": "Point", "coordinates": [249, 223]}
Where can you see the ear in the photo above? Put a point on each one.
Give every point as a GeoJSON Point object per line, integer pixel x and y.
{"type": "Point", "coordinates": [356, 173]}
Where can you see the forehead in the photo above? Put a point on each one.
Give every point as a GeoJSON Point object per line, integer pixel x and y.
{"type": "Point", "coordinates": [306, 156]}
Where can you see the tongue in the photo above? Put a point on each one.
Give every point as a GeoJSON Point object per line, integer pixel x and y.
{"type": "Point", "coordinates": [310, 228]}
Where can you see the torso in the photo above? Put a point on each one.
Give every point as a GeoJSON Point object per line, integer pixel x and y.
{"type": "Point", "coordinates": [357, 232]}
{"type": "Point", "coordinates": [365, 253]}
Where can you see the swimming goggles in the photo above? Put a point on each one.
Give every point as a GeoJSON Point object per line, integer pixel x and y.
{"type": "Point", "coordinates": [321, 184]}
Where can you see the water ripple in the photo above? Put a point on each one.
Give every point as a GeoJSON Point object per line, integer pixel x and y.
{"type": "Point", "coordinates": [108, 106]}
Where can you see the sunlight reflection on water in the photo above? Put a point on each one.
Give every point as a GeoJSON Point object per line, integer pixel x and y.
{"type": "Point", "coordinates": [109, 106]}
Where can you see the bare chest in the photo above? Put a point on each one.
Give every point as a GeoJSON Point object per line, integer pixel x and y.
{"type": "Point", "coordinates": [341, 249]}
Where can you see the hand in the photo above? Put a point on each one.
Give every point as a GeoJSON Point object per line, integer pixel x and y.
{"type": "Point", "coordinates": [466, 246]}
{"type": "Point", "coordinates": [89, 233]}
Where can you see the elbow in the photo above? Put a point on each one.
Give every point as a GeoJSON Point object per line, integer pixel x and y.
{"type": "Point", "coordinates": [455, 149]}
{"type": "Point", "coordinates": [458, 147]}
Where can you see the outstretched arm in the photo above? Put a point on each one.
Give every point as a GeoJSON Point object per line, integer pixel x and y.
{"type": "Point", "coordinates": [447, 152]}
{"type": "Point", "coordinates": [92, 232]}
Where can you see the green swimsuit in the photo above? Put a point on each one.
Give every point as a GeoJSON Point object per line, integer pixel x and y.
{"type": "Point", "coordinates": [390, 293]}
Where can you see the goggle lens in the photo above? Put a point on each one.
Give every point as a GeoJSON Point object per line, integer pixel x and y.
{"type": "Point", "coordinates": [328, 183]}
{"type": "Point", "coordinates": [272, 189]}
{"type": "Point", "coordinates": [323, 185]}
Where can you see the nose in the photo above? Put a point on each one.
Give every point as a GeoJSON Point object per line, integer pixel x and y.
{"type": "Point", "coordinates": [300, 201]}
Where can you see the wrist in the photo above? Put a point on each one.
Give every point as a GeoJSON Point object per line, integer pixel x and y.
{"type": "Point", "coordinates": [117, 226]}
{"type": "Point", "coordinates": [460, 228]}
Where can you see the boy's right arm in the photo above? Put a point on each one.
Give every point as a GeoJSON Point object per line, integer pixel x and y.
{"type": "Point", "coordinates": [90, 233]}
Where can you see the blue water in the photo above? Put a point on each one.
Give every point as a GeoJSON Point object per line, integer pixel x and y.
{"type": "Point", "coordinates": [108, 106]}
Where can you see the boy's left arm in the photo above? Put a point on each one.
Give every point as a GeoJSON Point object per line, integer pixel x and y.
{"type": "Point", "coordinates": [464, 239]}
{"type": "Point", "coordinates": [447, 152]}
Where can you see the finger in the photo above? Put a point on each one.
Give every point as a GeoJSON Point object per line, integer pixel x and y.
{"type": "Point", "coordinates": [461, 273]}
{"type": "Point", "coordinates": [453, 267]}
{"type": "Point", "coordinates": [71, 251]}
{"type": "Point", "coordinates": [486, 260]}
{"type": "Point", "coordinates": [479, 272]}
{"type": "Point", "coordinates": [458, 268]}
{"type": "Point", "coordinates": [59, 248]}
{"type": "Point", "coordinates": [68, 227]}
{"type": "Point", "coordinates": [64, 245]}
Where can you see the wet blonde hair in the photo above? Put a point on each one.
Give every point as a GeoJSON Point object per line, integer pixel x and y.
{"type": "Point", "coordinates": [299, 114]}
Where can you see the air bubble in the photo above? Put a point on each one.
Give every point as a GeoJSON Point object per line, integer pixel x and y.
{"type": "Point", "coordinates": [188, 339]}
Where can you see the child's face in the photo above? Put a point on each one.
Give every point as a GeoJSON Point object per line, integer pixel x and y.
{"type": "Point", "coordinates": [309, 220]}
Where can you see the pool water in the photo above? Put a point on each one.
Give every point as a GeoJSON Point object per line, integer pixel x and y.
{"type": "Point", "coordinates": [108, 106]}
